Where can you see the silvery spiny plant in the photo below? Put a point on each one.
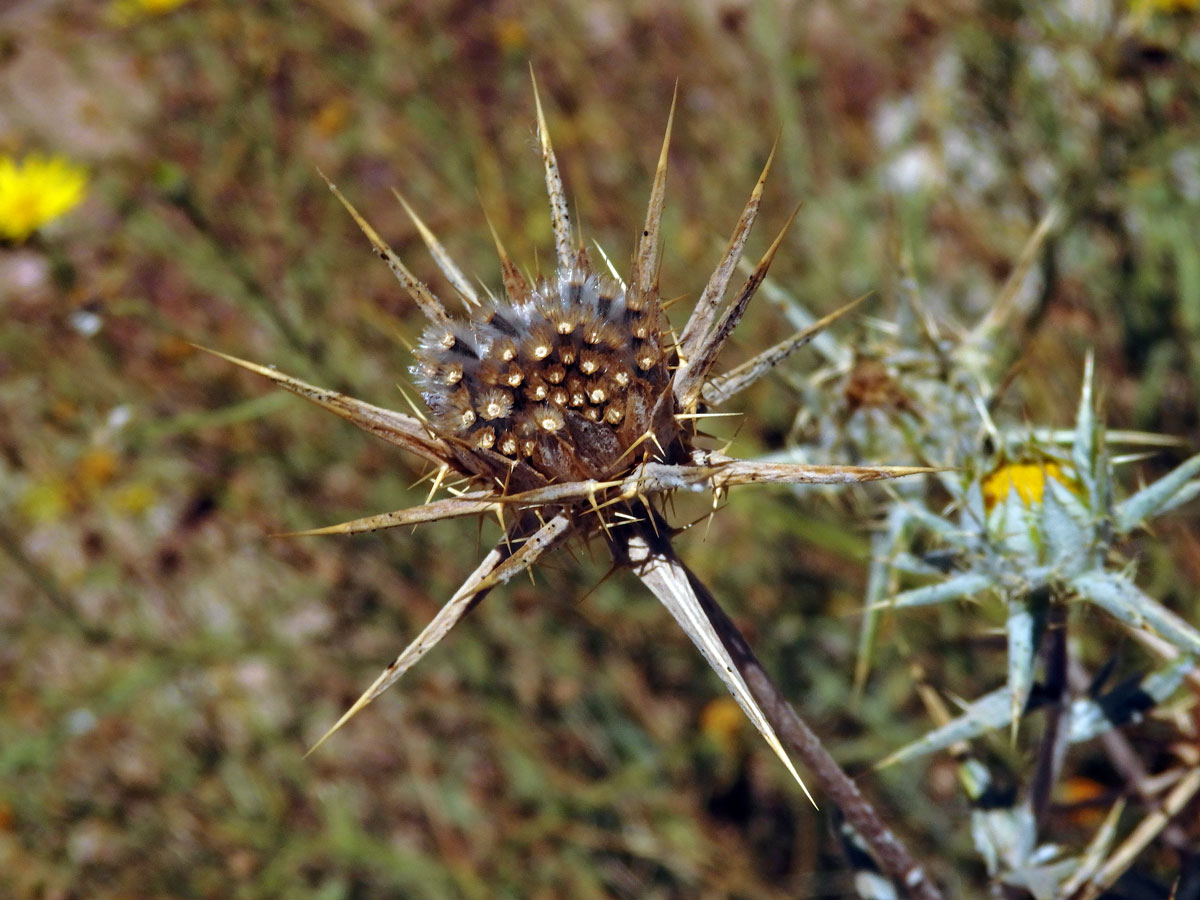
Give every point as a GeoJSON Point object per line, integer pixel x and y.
{"type": "Point", "coordinates": [568, 409]}
{"type": "Point", "coordinates": [1028, 520]}
{"type": "Point", "coordinates": [1039, 532]}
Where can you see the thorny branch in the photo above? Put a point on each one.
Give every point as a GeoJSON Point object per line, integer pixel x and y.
{"type": "Point", "coordinates": [654, 561]}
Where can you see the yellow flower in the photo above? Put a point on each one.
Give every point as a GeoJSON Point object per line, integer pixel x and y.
{"type": "Point", "coordinates": [36, 190]}
{"type": "Point", "coordinates": [1028, 479]}
{"type": "Point", "coordinates": [1148, 7]}
{"type": "Point", "coordinates": [125, 11]}
{"type": "Point", "coordinates": [511, 35]}
{"type": "Point", "coordinates": [721, 720]}
{"type": "Point", "coordinates": [96, 468]}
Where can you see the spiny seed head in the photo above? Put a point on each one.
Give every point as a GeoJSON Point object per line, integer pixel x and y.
{"type": "Point", "coordinates": [567, 384]}
{"type": "Point", "coordinates": [556, 379]}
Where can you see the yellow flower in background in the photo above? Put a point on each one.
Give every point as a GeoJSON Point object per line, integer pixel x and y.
{"type": "Point", "coordinates": [511, 35]}
{"type": "Point", "coordinates": [721, 720]}
{"type": "Point", "coordinates": [124, 11]}
{"type": "Point", "coordinates": [1028, 479]}
{"type": "Point", "coordinates": [36, 190]}
{"type": "Point", "coordinates": [1146, 7]}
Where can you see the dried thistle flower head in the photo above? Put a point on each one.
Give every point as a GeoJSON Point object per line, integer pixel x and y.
{"type": "Point", "coordinates": [570, 410]}
{"type": "Point", "coordinates": [563, 382]}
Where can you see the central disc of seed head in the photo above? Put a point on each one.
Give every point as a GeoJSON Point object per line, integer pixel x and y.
{"type": "Point", "coordinates": [570, 377]}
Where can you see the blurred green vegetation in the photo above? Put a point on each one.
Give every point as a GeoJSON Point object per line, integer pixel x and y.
{"type": "Point", "coordinates": [164, 662]}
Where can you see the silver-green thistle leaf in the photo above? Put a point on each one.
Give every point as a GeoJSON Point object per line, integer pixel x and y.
{"type": "Point", "coordinates": [1121, 598]}
{"type": "Point", "coordinates": [1155, 497]}
{"type": "Point", "coordinates": [1064, 537]}
{"type": "Point", "coordinates": [956, 587]}
{"type": "Point", "coordinates": [911, 564]}
{"type": "Point", "coordinates": [879, 585]}
{"type": "Point", "coordinates": [950, 532]}
{"type": "Point", "coordinates": [989, 712]}
{"type": "Point", "coordinates": [1022, 630]}
{"type": "Point", "coordinates": [1091, 717]}
{"type": "Point", "coordinates": [1083, 448]}
{"type": "Point", "coordinates": [1010, 525]}
{"type": "Point", "coordinates": [1185, 494]}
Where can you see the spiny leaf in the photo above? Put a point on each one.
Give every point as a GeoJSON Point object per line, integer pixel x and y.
{"type": "Point", "coordinates": [693, 372]}
{"type": "Point", "coordinates": [741, 377]}
{"type": "Point", "coordinates": [1120, 597]}
{"type": "Point", "coordinates": [1091, 717]}
{"type": "Point", "coordinates": [879, 583]}
{"type": "Point", "coordinates": [1083, 448]}
{"type": "Point", "coordinates": [472, 504]}
{"type": "Point", "coordinates": [560, 217]}
{"type": "Point", "coordinates": [498, 566]}
{"type": "Point", "coordinates": [1151, 500]}
{"type": "Point", "coordinates": [430, 305]}
{"type": "Point", "coordinates": [1022, 630]}
{"type": "Point", "coordinates": [645, 268]}
{"type": "Point", "coordinates": [911, 564]}
{"type": "Point", "coordinates": [988, 713]}
{"type": "Point", "coordinates": [1065, 538]}
{"type": "Point", "coordinates": [453, 274]}
{"type": "Point", "coordinates": [668, 580]}
{"type": "Point", "coordinates": [395, 428]}
{"type": "Point", "coordinates": [956, 587]}
{"type": "Point", "coordinates": [706, 307]}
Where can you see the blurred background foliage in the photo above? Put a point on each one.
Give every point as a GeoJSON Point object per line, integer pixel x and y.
{"type": "Point", "coordinates": [164, 662]}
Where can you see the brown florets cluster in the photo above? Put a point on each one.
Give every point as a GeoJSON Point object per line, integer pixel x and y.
{"type": "Point", "coordinates": [567, 377]}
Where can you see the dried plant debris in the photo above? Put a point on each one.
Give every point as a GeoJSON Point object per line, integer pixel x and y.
{"type": "Point", "coordinates": [567, 409]}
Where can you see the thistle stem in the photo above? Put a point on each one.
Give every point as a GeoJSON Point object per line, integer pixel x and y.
{"type": "Point", "coordinates": [650, 554]}
{"type": "Point", "coordinates": [1055, 736]}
